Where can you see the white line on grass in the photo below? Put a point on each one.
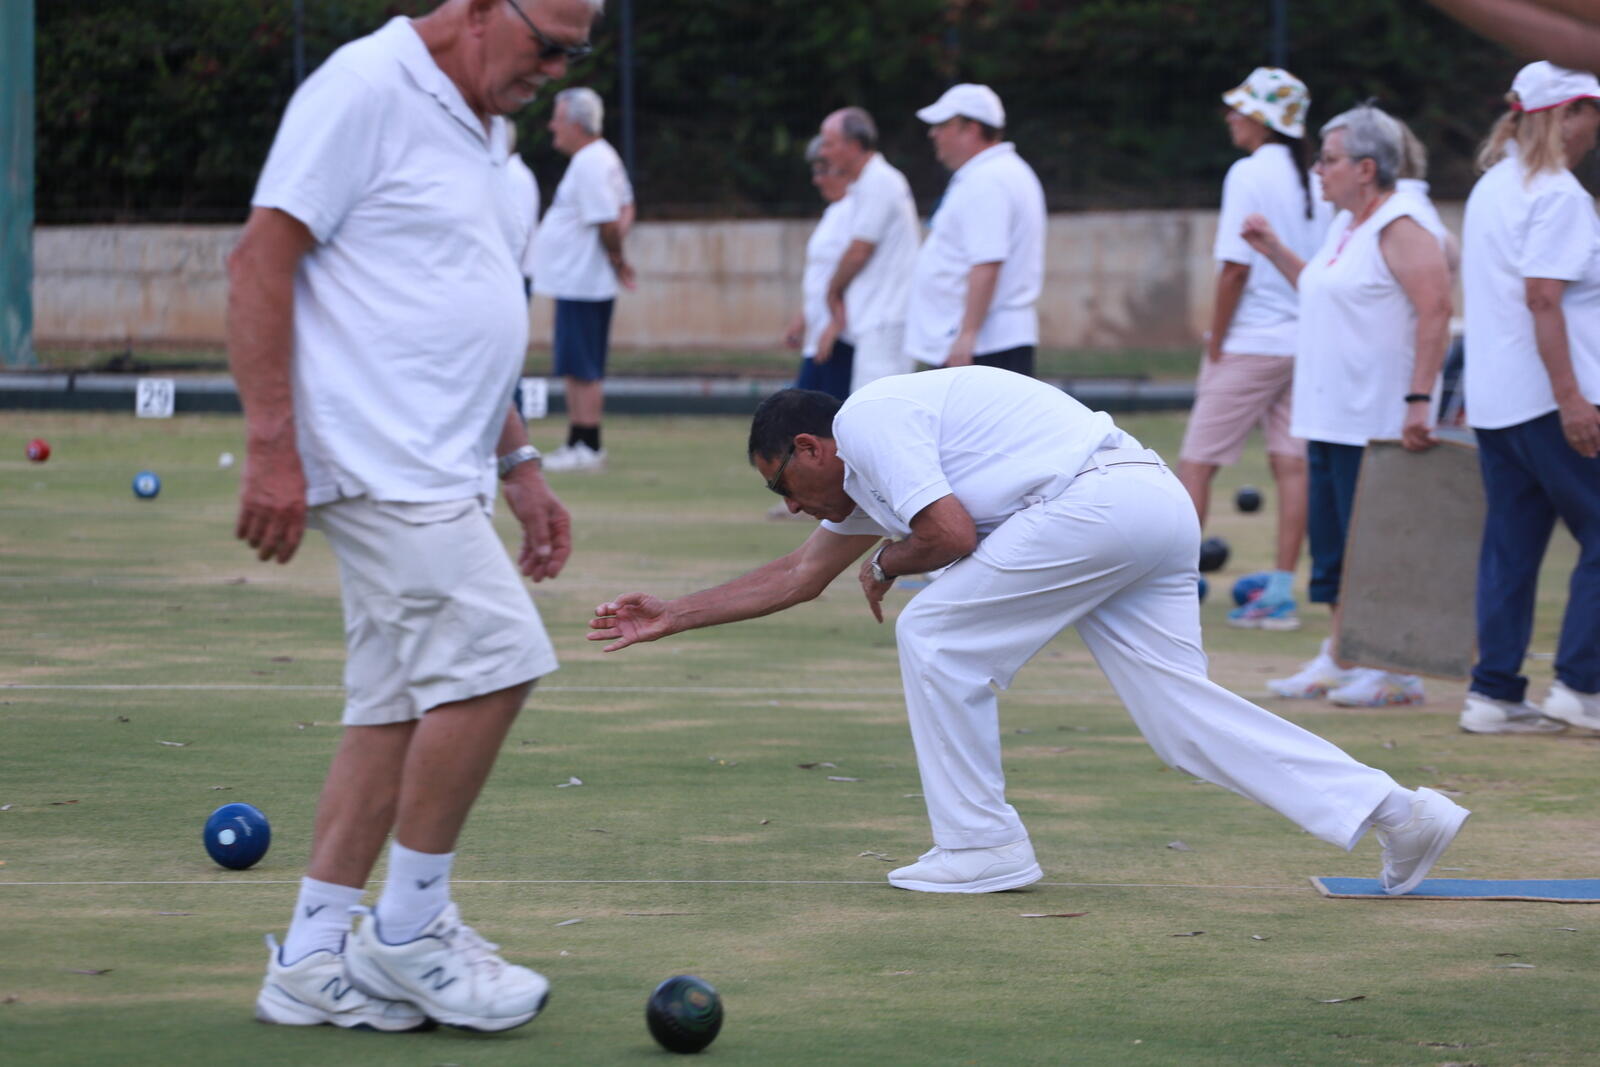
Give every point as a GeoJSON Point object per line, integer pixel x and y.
{"type": "Point", "coordinates": [683, 881]}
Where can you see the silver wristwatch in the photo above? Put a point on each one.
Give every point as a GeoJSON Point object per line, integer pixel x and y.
{"type": "Point", "coordinates": [516, 458]}
{"type": "Point", "coordinates": [876, 567]}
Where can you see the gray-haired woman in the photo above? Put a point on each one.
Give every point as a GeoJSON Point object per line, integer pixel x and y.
{"type": "Point", "coordinates": [1374, 326]}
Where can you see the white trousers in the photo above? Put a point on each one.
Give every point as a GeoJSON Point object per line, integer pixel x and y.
{"type": "Point", "coordinates": [880, 352]}
{"type": "Point", "coordinates": [1114, 556]}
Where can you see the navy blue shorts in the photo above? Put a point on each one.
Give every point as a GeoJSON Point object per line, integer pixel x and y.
{"type": "Point", "coordinates": [832, 377]}
{"type": "Point", "coordinates": [1332, 495]}
{"type": "Point", "coordinates": [583, 333]}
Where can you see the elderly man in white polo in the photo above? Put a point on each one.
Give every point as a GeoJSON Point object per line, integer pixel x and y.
{"type": "Point", "coordinates": [978, 275]}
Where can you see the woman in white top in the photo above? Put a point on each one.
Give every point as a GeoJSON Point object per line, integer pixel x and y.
{"type": "Point", "coordinates": [829, 371]}
{"type": "Point", "coordinates": [1531, 270]}
{"type": "Point", "coordinates": [1374, 324]}
{"type": "Point", "coordinates": [1246, 376]}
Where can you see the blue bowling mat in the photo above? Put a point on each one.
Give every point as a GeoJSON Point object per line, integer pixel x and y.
{"type": "Point", "coordinates": [1553, 890]}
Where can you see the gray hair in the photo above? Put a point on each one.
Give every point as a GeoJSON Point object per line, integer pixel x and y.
{"type": "Point", "coordinates": [1370, 133]}
{"type": "Point", "coordinates": [857, 125]}
{"type": "Point", "coordinates": [584, 107]}
{"type": "Point", "coordinates": [814, 149]}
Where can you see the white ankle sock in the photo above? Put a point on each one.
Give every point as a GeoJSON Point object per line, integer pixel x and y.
{"type": "Point", "coordinates": [321, 919]}
{"type": "Point", "coordinates": [1395, 811]}
{"type": "Point", "coordinates": [417, 890]}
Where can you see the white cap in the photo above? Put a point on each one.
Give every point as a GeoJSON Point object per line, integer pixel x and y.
{"type": "Point", "coordinates": [1543, 85]}
{"type": "Point", "coordinates": [977, 102]}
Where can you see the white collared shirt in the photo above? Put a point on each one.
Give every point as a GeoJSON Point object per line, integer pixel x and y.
{"type": "Point", "coordinates": [409, 318]}
{"type": "Point", "coordinates": [1518, 229]}
{"type": "Point", "coordinates": [880, 209]}
{"type": "Point", "coordinates": [998, 441]}
{"type": "Point", "coordinates": [993, 212]}
{"type": "Point", "coordinates": [570, 263]}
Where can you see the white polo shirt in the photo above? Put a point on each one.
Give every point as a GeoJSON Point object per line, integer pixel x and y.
{"type": "Point", "coordinates": [1267, 183]}
{"type": "Point", "coordinates": [999, 441]}
{"type": "Point", "coordinates": [826, 244]}
{"type": "Point", "coordinates": [570, 263]}
{"type": "Point", "coordinates": [992, 212]}
{"type": "Point", "coordinates": [1358, 333]}
{"type": "Point", "coordinates": [1515, 230]}
{"type": "Point", "coordinates": [879, 208]}
{"type": "Point", "coordinates": [409, 319]}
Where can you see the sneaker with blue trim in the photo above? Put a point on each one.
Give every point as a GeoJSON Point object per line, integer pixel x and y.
{"type": "Point", "coordinates": [1368, 687]}
{"type": "Point", "coordinates": [1262, 614]}
{"type": "Point", "coordinates": [448, 971]}
{"type": "Point", "coordinates": [315, 991]}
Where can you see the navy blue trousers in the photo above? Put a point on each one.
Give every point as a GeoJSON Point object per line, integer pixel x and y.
{"type": "Point", "coordinates": [1333, 470]}
{"type": "Point", "coordinates": [832, 377]}
{"type": "Point", "coordinates": [1532, 477]}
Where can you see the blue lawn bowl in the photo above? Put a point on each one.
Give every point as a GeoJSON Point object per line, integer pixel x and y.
{"type": "Point", "coordinates": [237, 836]}
{"type": "Point", "coordinates": [1249, 587]}
{"type": "Point", "coordinates": [1203, 588]}
{"type": "Point", "coordinates": [146, 485]}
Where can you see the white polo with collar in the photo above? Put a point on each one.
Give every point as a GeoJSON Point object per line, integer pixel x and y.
{"type": "Point", "coordinates": [993, 212]}
{"type": "Point", "coordinates": [409, 319]}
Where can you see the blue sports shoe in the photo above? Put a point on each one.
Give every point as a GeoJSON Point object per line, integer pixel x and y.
{"type": "Point", "coordinates": [1262, 614]}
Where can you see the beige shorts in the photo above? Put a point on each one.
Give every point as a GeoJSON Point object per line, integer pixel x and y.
{"type": "Point", "coordinates": [434, 610]}
{"type": "Point", "coordinates": [1234, 395]}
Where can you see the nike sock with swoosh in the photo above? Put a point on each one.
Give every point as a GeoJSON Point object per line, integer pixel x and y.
{"type": "Point", "coordinates": [321, 919]}
{"type": "Point", "coordinates": [417, 890]}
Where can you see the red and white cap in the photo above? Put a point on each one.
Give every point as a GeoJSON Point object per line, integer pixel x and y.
{"type": "Point", "coordinates": [1543, 85]}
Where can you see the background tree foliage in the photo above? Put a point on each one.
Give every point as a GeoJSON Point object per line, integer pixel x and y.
{"type": "Point", "coordinates": [164, 109]}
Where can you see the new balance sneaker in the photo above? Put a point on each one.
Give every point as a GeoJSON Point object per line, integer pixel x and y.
{"type": "Point", "coordinates": [1261, 614]}
{"type": "Point", "coordinates": [1367, 687]}
{"type": "Point", "coordinates": [1312, 680]}
{"type": "Point", "coordinates": [1571, 706]}
{"type": "Point", "coordinates": [449, 972]}
{"type": "Point", "coordinates": [575, 458]}
{"type": "Point", "coordinates": [314, 991]}
{"type": "Point", "coordinates": [1486, 715]}
{"type": "Point", "coordinates": [1411, 850]}
{"type": "Point", "coordinates": [970, 870]}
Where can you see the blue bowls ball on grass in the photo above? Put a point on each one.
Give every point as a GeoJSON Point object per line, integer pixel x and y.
{"type": "Point", "coordinates": [146, 484]}
{"type": "Point", "coordinates": [1250, 586]}
{"type": "Point", "coordinates": [237, 836]}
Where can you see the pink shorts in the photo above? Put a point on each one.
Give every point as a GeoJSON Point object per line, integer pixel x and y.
{"type": "Point", "coordinates": [1234, 395]}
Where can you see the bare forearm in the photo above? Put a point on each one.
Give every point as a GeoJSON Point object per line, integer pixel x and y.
{"type": "Point", "coordinates": [1550, 336]}
{"type": "Point", "coordinates": [850, 264]}
{"type": "Point", "coordinates": [1567, 35]}
{"type": "Point", "coordinates": [1230, 290]}
{"type": "Point", "coordinates": [765, 590]}
{"type": "Point", "coordinates": [1433, 342]}
{"type": "Point", "coordinates": [981, 282]}
{"type": "Point", "coordinates": [261, 349]}
{"type": "Point", "coordinates": [1288, 264]}
{"type": "Point", "coordinates": [611, 238]}
{"type": "Point", "coordinates": [513, 432]}
{"type": "Point", "coordinates": [913, 556]}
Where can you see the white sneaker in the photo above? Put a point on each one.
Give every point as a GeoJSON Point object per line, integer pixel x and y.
{"type": "Point", "coordinates": [1312, 680]}
{"type": "Point", "coordinates": [970, 870]}
{"type": "Point", "coordinates": [448, 971]}
{"type": "Point", "coordinates": [1410, 851]}
{"type": "Point", "coordinates": [1370, 688]}
{"type": "Point", "coordinates": [575, 458]}
{"type": "Point", "coordinates": [1486, 715]}
{"type": "Point", "coordinates": [1571, 706]}
{"type": "Point", "coordinates": [315, 990]}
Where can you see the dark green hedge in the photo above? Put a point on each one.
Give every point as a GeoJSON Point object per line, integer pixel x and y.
{"type": "Point", "coordinates": [163, 109]}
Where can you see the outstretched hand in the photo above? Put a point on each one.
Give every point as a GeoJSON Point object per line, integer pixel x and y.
{"type": "Point", "coordinates": [630, 619]}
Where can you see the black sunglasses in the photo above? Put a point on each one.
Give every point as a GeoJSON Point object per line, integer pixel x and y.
{"type": "Point", "coordinates": [549, 49]}
{"type": "Point", "coordinates": [777, 475]}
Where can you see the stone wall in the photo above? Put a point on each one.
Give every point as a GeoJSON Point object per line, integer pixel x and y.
{"type": "Point", "coordinates": [1114, 280]}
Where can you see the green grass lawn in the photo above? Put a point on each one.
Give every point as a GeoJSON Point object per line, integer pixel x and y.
{"type": "Point", "coordinates": [1155, 363]}
{"type": "Point", "coordinates": [697, 841]}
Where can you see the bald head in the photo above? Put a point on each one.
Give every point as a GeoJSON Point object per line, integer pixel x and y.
{"type": "Point", "coordinates": [849, 137]}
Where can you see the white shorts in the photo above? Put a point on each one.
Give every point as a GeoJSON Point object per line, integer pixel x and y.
{"type": "Point", "coordinates": [434, 610]}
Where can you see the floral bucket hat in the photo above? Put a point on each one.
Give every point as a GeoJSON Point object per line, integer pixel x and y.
{"type": "Point", "coordinates": [1273, 97]}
